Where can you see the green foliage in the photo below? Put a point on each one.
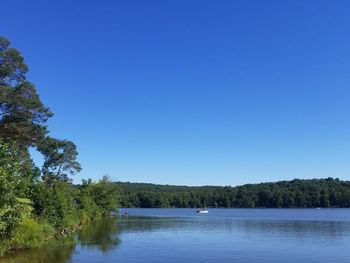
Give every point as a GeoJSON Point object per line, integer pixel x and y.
{"type": "Point", "coordinates": [105, 195]}
{"type": "Point", "coordinates": [60, 158]}
{"type": "Point", "coordinates": [88, 207]}
{"type": "Point", "coordinates": [56, 210]}
{"type": "Point", "coordinates": [23, 118]}
{"type": "Point", "coordinates": [12, 67]}
{"type": "Point", "coordinates": [17, 227]}
{"type": "Point", "coordinates": [296, 193]}
{"type": "Point", "coordinates": [57, 205]}
{"type": "Point", "coordinates": [65, 206]}
{"type": "Point", "coordinates": [10, 180]}
{"type": "Point", "coordinates": [30, 233]}
{"type": "Point", "coordinates": [22, 114]}
{"type": "Point", "coordinates": [37, 204]}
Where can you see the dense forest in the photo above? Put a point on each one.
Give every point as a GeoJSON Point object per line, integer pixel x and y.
{"type": "Point", "coordinates": [39, 203]}
{"type": "Point", "coordinates": [296, 193]}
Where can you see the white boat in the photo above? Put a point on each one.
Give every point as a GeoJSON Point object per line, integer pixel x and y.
{"type": "Point", "coordinates": [202, 211]}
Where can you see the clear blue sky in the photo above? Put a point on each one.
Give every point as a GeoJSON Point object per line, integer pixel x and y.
{"type": "Point", "coordinates": [193, 92]}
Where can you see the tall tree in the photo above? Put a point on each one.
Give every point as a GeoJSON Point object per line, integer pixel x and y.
{"type": "Point", "coordinates": [22, 115]}
{"type": "Point", "coordinates": [23, 118]}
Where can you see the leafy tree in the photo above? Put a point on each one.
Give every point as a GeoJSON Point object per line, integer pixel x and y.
{"type": "Point", "coordinates": [105, 195]}
{"type": "Point", "coordinates": [23, 118]}
{"type": "Point", "coordinates": [57, 205]}
{"type": "Point", "coordinates": [59, 159]}
{"type": "Point", "coordinates": [10, 182]}
{"type": "Point", "coordinates": [34, 210]}
{"type": "Point", "coordinates": [22, 114]}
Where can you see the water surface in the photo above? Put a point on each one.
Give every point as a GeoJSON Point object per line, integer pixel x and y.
{"type": "Point", "coordinates": [223, 235]}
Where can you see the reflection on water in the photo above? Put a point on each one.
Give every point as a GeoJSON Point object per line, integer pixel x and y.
{"type": "Point", "coordinates": [55, 253]}
{"type": "Point", "coordinates": [208, 239]}
{"type": "Point", "coordinates": [102, 234]}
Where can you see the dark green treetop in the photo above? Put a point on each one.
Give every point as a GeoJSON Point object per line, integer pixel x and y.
{"type": "Point", "coordinates": [23, 118]}
{"type": "Point", "coordinates": [22, 114]}
{"type": "Point", "coordinates": [60, 159]}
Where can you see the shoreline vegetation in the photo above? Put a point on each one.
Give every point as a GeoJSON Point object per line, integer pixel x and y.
{"type": "Point", "coordinates": [33, 212]}
{"type": "Point", "coordinates": [38, 204]}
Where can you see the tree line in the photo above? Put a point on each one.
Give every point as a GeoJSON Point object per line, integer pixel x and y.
{"type": "Point", "coordinates": [39, 203]}
{"type": "Point", "coordinates": [284, 194]}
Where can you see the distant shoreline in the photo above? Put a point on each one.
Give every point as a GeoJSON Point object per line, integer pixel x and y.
{"type": "Point", "coordinates": [297, 193]}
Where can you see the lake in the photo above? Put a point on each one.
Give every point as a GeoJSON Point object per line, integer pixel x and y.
{"type": "Point", "coordinates": [222, 235]}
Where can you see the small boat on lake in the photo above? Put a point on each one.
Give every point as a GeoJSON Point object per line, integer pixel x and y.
{"type": "Point", "coordinates": [202, 211]}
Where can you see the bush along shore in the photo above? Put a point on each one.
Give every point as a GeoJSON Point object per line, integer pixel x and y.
{"type": "Point", "coordinates": [39, 203]}
{"type": "Point", "coordinates": [34, 210]}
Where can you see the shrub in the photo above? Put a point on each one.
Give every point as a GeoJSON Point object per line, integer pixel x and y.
{"type": "Point", "coordinates": [30, 233]}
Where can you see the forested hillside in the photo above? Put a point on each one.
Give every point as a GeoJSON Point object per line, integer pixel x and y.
{"type": "Point", "coordinates": [296, 193]}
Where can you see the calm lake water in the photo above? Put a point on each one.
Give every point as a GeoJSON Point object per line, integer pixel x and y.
{"type": "Point", "coordinates": [222, 235]}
